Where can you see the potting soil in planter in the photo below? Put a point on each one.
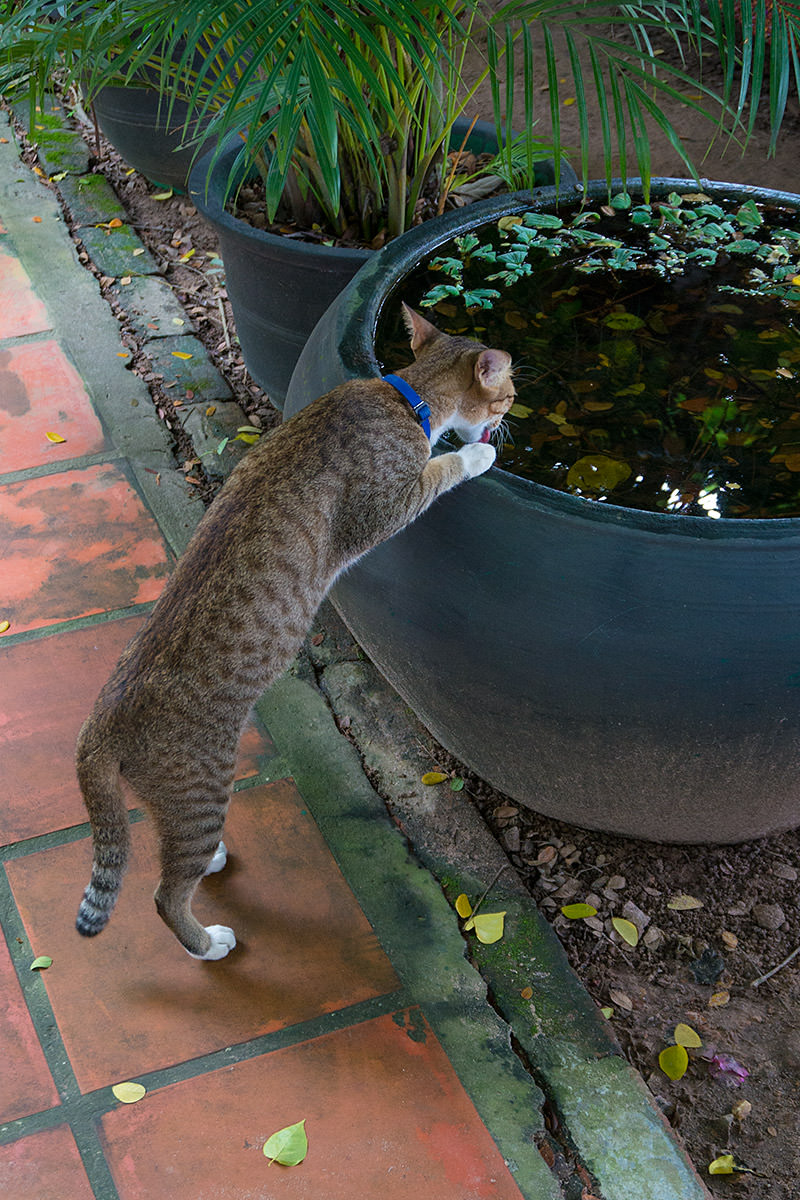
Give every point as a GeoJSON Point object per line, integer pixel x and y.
{"type": "Point", "coordinates": [658, 348]}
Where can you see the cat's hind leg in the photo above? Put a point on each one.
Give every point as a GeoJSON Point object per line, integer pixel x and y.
{"type": "Point", "coordinates": [186, 857]}
{"type": "Point", "coordinates": [218, 861]}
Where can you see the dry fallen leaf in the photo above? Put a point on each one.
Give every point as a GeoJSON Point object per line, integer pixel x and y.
{"type": "Point", "coordinates": [718, 999]}
{"type": "Point", "coordinates": [128, 1093]}
{"type": "Point", "coordinates": [620, 999]}
{"type": "Point", "coordinates": [683, 903]}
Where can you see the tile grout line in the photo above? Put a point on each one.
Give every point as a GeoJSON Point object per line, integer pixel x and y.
{"type": "Point", "coordinates": [56, 467]}
{"type": "Point", "coordinates": [69, 623]}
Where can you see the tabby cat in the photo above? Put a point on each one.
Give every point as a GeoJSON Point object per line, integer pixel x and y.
{"type": "Point", "coordinates": [308, 500]}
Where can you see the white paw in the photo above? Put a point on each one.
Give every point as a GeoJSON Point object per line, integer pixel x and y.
{"type": "Point", "coordinates": [222, 940]}
{"type": "Point", "coordinates": [218, 861]}
{"type": "Point", "coordinates": [477, 457]}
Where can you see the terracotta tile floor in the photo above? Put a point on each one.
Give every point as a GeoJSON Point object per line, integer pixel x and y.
{"type": "Point", "coordinates": [305, 1020]}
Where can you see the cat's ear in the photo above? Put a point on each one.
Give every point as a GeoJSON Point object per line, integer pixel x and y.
{"type": "Point", "coordinates": [421, 331]}
{"type": "Point", "coordinates": [492, 368]}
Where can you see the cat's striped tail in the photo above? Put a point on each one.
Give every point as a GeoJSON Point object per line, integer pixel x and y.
{"type": "Point", "coordinates": [99, 777]}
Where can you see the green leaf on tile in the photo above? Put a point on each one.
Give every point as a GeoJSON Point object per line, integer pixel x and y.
{"type": "Point", "coordinates": [41, 963]}
{"type": "Point", "coordinates": [287, 1146]}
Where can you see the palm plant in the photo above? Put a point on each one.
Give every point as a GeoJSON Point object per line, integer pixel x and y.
{"type": "Point", "coordinates": [347, 107]}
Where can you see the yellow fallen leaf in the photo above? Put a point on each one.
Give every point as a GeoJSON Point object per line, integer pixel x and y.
{"type": "Point", "coordinates": [575, 912]}
{"type": "Point", "coordinates": [212, 408]}
{"type": "Point", "coordinates": [4, 625]}
{"type": "Point", "coordinates": [724, 1165]}
{"type": "Point", "coordinates": [686, 1036]}
{"type": "Point", "coordinates": [718, 999]}
{"type": "Point", "coordinates": [674, 1061]}
{"type": "Point", "coordinates": [463, 906]}
{"type": "Point", "coordinates": [527, 993]}
{"type": "Point", "coordinates": [55, 438]}
{"type": "Point", "coordinates": [162, 195]}
{"type": "Point", "coordinates": [520, 410]}
{"type": "Point", "coordinates": [180, 354]}
{"type": "Point", "coordinates": [431, 777]}
{"type": "Point", "coordinates": [626, 930]}
{"type": "Point", "coordinates": [489, 927]}
{"type": "Point", "coordinates": [683, 903]}
{"type": "Point", "coordinates": [185, 257]}
{"type": "Point", "coordinates": [114, 223]}
{"type": "Point", "coordinates": [128, 1093]}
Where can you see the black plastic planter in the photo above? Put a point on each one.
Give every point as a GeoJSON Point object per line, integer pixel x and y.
{"type": "Point", "coordinates": [621, 670]}
{"type": "Point", "coordinates": [280, 287]}
{"type": "Point", "coordinates": [131, 119]}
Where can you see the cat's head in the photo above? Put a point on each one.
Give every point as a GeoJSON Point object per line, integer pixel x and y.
{"type": "Point", "coordinates": [468, 386]}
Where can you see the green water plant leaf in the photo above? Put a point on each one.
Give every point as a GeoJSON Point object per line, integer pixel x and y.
{"type": "Point", "coordinates": [597, 473]}
{"type": "Point", "coordinates": [287, 1146]}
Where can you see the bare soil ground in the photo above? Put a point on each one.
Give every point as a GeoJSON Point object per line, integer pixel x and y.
{"type": "Point", "coordinates": [700, 965]}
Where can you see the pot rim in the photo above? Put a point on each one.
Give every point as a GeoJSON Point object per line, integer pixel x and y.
{"type": "Point", "coordinates": [379, 278]}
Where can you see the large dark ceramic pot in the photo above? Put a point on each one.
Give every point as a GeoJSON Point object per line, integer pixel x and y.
{"type": "Point", "coordinates": [279, 287]}
{"type": "Point", "coordinates": [622, 670]}
{"type": "Point", "coordinates": [135, 124]}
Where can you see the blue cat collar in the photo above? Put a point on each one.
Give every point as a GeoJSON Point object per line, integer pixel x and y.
{"type": "Point", "coordinates": [420, 408]}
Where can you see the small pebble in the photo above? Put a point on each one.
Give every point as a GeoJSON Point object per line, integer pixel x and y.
{"type": "Point", "coordinates": [768, 916]}
{"type": "Point", "coordinates": [784, 871]}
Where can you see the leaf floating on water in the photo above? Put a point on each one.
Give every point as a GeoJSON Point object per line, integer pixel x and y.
{"type": "Point", "coordinates": [55, 438]}
{"type": "Point", "coordinates": [489, 927]}
{"type": "Point", "coordinates": [520, 410]}
{"type": "Point", "coordinates": [686, 1036]}
{"type": "Point", "coordinates": [287, 1146]}
{"type": "Point", "coordinates": [597, 473]}
{"type": "Point", "coordinates": [576, 912]}
{"type": "Point", "coordinates": [463, 906]}
{"type": "Point", "coordinates": [673, 1062]}
{"type": "Point", "coordinates": [128, 1093]}
{"type": "Point", "coordinates": [432, 777]}
{"type": "Point", "coordinates": [626, 930]}
{"type": "Point", "coordinates": [683, 903]}
{"type": "Point", "coordinates": [42, 963]}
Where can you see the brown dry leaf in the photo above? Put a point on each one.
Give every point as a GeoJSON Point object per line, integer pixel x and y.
{"type": "Point", "coordinates": [683, 902]}
{"type": "Point", "coordinates": [546, 855]}
{"type": "Point", "coordinates": [620, 999]}
{"type": "Point", "coordinates": [730, 939]}
{"type": "Point", "coordinates": [527, 993]}
{"type": "Point", "coordinates": [718, 999]}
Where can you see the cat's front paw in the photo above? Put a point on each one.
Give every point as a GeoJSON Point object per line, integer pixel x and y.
{"type": "Point", "coordinates": [477, 457]}
{"type": "Point", "coordinates": [223, 940]}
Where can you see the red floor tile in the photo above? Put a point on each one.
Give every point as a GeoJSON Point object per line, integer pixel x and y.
{"type": "Point", "coordinates": [305, 947]}
{"type": "Point", "coordinates": [385, 1117]}
{"type": "Point", "coordinates": [47, 689]}
{"type": "Point", "coordinates": [43, 1166]}
{"type": "Point", "coordinates": [21, 310]}
{"type": "Point", "coordinates": [41, 393]}
{"type": "Point", "coordinates": [27, 1084]}
{"type": "Point", "coordinates": [76, 543]}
